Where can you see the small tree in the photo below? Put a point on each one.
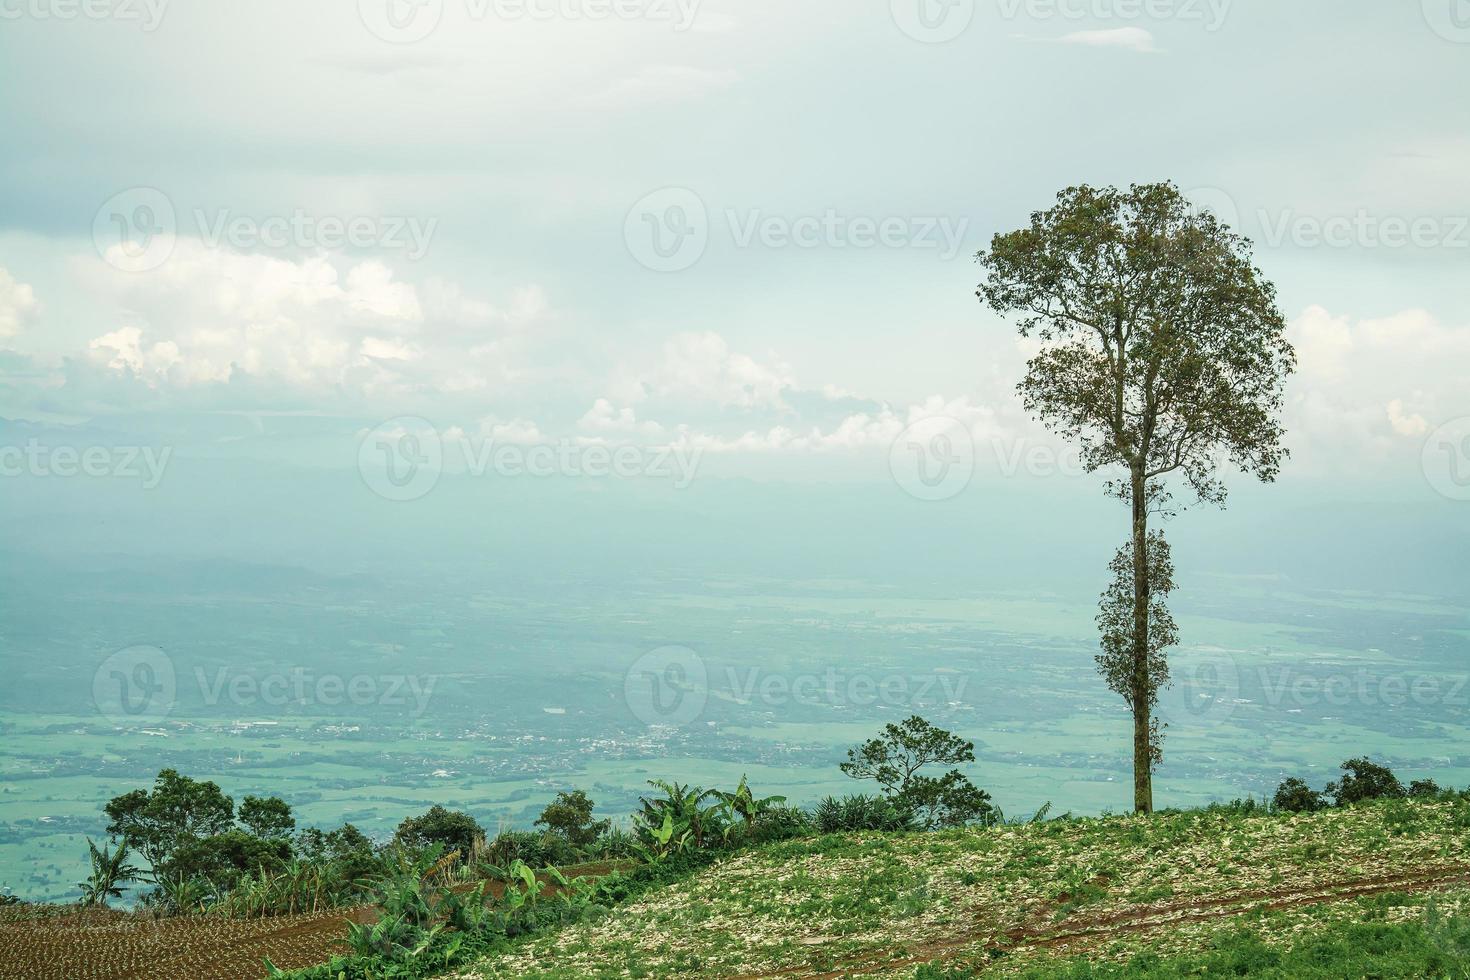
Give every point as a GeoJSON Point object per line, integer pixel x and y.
{"type": "Point", "coordinates": [1295, 796]}
{"type": "Point", "coordinates": [1115, 624]}
{"type": "Point", "coordinates": [456, 831]}
{"type": "Point", "coordinates": [1161, 348]}
{"type": "Point", "coordinates": [895, 759]}
{"type": "Point", "coordinates": [269, 817]}
{"type": "Point", "coordinates": [570, 816]}
{"type": "Point", "coordinates": [1364, 780]}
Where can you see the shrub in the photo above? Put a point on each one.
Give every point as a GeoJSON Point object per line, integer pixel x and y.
{"type": "Point", "coordinates": [618, 842]}
{"type": "Point", "coordinates": [860, 812]}
{"type": "Point", "coordinates": [780, 823]}
{"type": "Point", "coordinates": [1364, 780]}
{"type": "Point", "coordinates": [950, 800]}
{"type": "Point", "coordinates": [1237, 807]}
{"type": "Point", "coordinates": [180, 895]}
{"type": "Point", "coordinates": [535, 849]}
{"type": "Point", "coordinates": [1295, 796]}
{"type": "Point", "coordinates": [425, 925]}
{"type": "Point", "coordinates": [1424, 789]}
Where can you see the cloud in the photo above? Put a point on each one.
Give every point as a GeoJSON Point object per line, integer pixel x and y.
{"type": "Point", "coordinates": [17, 304]}
{"type": "Point", "coordinates": [700, 369]}
{"type": "Point", "coordinates": [518, 431]}
{"type": "Point", "coordinates": [214, 316]}
{"type": "Point", "coordinates": [1405, 424]}
{"type": "Point", "coordinates": [874, 430]}
{"type": "Point", "coordinates": [603, 420]}
{"type": "Point", "coordinates": [1373, 386]}
{"type": "Point", "coordinates": [1132, 38]}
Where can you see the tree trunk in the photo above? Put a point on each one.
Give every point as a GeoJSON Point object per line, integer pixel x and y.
{"type": "Point", "coordinates": [1143, 789]}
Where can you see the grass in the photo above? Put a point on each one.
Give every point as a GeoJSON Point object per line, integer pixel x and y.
{"type": "Point", "coordinates": [1404, 937]}
{"type": "Point", "coordinates": [1196, 893]}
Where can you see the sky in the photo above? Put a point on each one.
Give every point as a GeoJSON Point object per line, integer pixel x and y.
{"type": "Point", "coordinates": [390, 238]}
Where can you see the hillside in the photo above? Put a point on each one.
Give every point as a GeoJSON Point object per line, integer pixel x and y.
{"type": "Point", "coordinates": [1024, 900]}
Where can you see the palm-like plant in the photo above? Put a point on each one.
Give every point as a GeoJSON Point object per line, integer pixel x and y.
{"type": "Point", "coordinates": [682, 809]}
{"type": "Point", "coordinates": [110, 870]}
{"type": "Point", "coordinates": [746, 805]}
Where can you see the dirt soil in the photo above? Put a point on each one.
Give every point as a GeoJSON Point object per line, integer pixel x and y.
{"type": "Point", "coordinates": [62, 943]}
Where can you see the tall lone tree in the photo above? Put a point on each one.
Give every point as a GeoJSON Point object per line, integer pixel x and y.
{"type": "Point", "coordinates": [1162, 353]}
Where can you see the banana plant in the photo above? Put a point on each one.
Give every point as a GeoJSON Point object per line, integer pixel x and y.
{"type": "Point", "coordinates": [746, 805]}
{"type": "Point", "coordinates": [670, 837]}
{"type": "Point", "coordinates": [522, 888]}
{"type": "Point", "coordinates": [684, 805]}
{"type": "Point", "coordinates": [466, 912]}
{"type": "Point", "coordinates": [110, 870]}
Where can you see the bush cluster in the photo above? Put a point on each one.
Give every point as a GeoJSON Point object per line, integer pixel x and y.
{"type": "Point", "coordinates": [1362, 780]}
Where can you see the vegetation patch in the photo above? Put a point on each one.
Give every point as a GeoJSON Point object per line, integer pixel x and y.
{"type": "Point", "coordinates": [1015, 899]}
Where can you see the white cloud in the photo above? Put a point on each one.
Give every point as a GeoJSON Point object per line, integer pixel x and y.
{"type": "Point", "coordinates": [521, 432]}
{"type": "Point", "coordinates": [17, 304]}
{"type": "Point", "coordinates": [857, 432]}
{"type": "Point", "coordinates": [1403, 423]}
{"type": "Point", "coordinates": [213, 315]}
{"type": "Point", "coordinates": [1132, 38]}
{"type": "Point", "coordinates": [1369, 386]}
{"type": "Point", "coordinates": [701, 368]}
{"type": "Point", "coordinates": [371, 289]}
{"type": "Point", "coordinates": [122, 350]}
{"type": "Point", "coordinates": [604, 420]}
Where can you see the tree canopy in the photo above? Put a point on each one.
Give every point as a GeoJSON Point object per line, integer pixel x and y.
{"type": "Point", "coordinates": [177, 810]}
{"type": "Point", "coordinates": [1160, 344]}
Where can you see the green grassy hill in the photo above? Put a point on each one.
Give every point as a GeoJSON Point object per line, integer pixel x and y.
{"type": "Point", "coordinates": [1377, 890]}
